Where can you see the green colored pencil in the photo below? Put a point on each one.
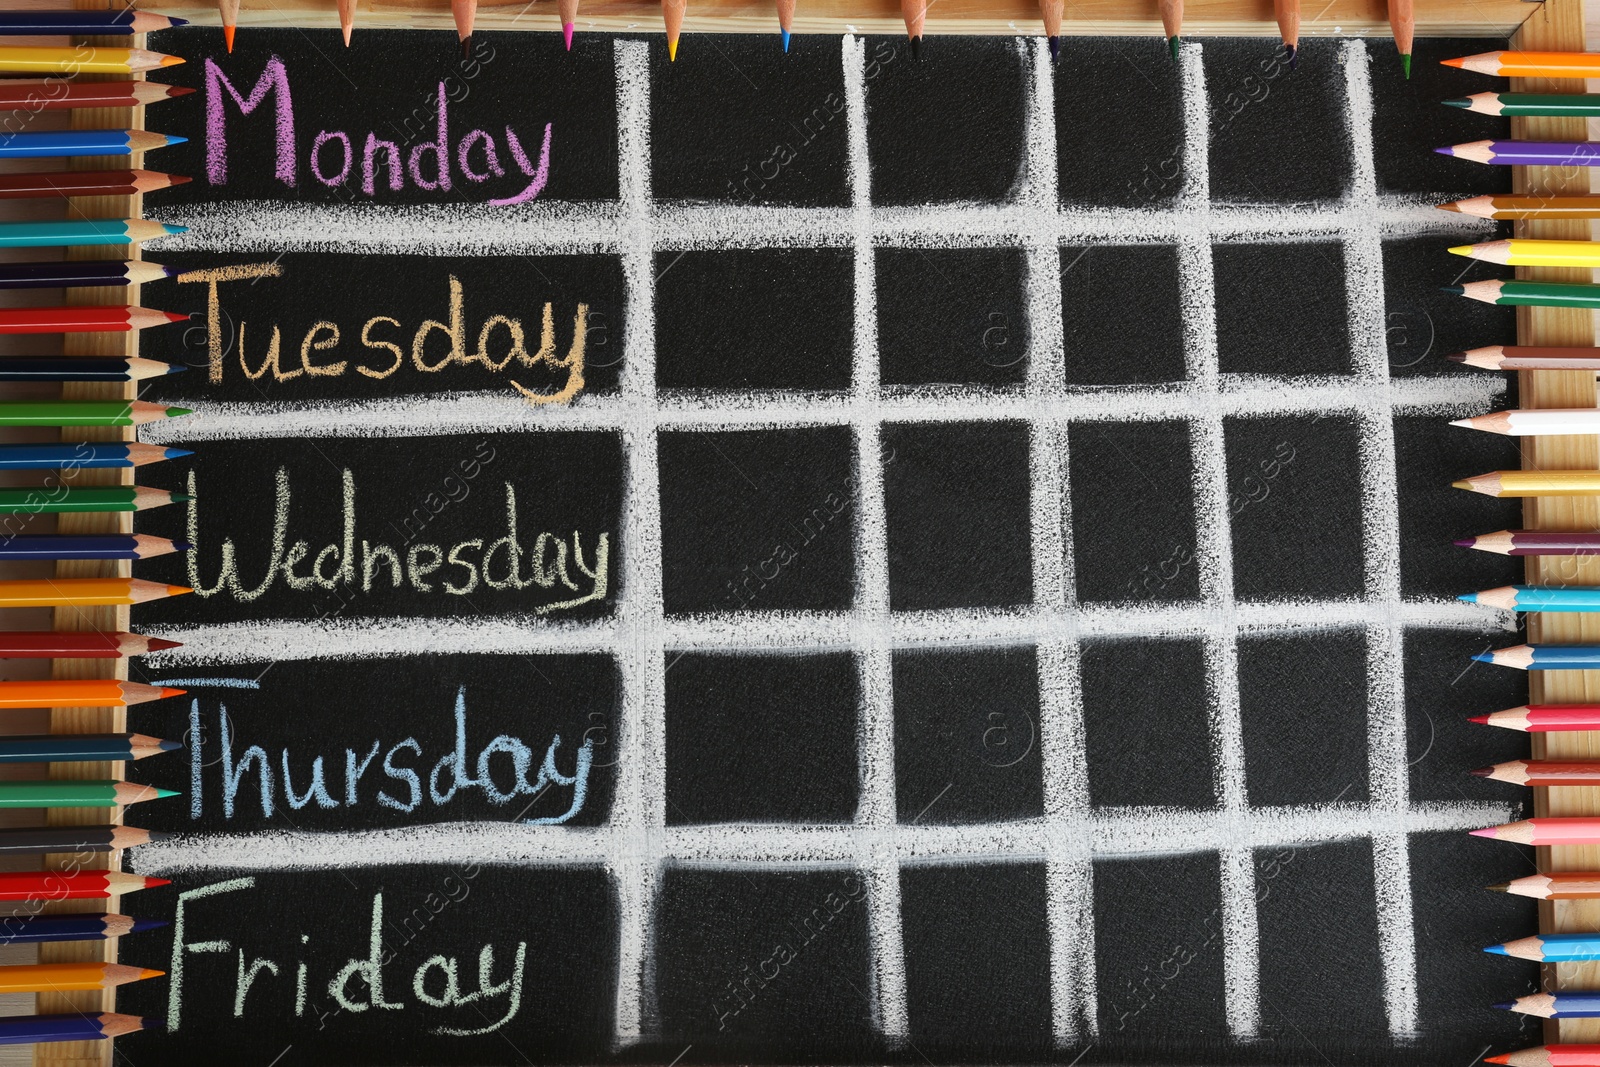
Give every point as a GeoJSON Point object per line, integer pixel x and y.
{"type": "Point", "coordinates": [1577, 105]}
{"type": "Point", "coordinates": [69, 794]}
{"type": "Point", "coordinates": [84, 412]}
{"type": "Point", "coordinates": [1509, 293]}
{"type": "Point", "coordinates": [39, 500]}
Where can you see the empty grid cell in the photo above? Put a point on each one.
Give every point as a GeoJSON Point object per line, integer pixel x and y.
{"type": "Point", "coordinates": [1106, 157]}
{"type": "Point", "coordinates": [1121, 317]}
{"type": "Point", "coordinates": [789, 151]}
{"type": "Point", "coordinates": [1136, 481]}
{"type": "Point", "coordinates": [977, 956]}
{"type": "Point", "coordinates": [1158, 947]}
{"type": "Point", "coordinates": [956, 496]}
{"type": "Point", "coordinates": [1275, 134]}
{"type": "Point", "coordinates": [1423, 323]}
{"type": "Point", "coordinates": [952, 315]}
{"type": "Point", "coordinates": [757, 520]}
{"type": "Point", "coordinates": [765, 958]}
{"type": "Point", "coordinates": [761, 738]}
{"type": "Point", "coordinates": [1303, 713]}
{"type": "Point", "coordinates": [1146, 733]}
{"type": "Point", "coordinates": [931, 138]}
{"type": "Point", "coordinates": [1403, 105]}
{"type": "Point", "coordinates": [754, 318]}
{"type": "Point", "coordinates": [966, 736]}
{"type": "Point", "coordinates": [1281, 308]}
{"type": "Point", "coordinates": [1294, 502]}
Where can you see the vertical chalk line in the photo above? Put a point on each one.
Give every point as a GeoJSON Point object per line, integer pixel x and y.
{"type": "Point", "coordinates": [1387, 761]}
{"type": "Point", "coordinates": [638, 813]}
{"type": "Point", "coordinates": [872, 633]}
{"type": "Point", "coordinates": [1069, 870]}
{"type": "Point", "coordinates": [1214, 558]}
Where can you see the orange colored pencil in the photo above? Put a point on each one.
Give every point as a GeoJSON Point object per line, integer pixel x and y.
{"type": "Point", "coordinates": [80, 693]}
{"type": "Point", "coordinates": [55, 977]}
{"type": "Point", "coordinates": [1508, 64]}
{"type": "Point", "coordinates": [82, 592]}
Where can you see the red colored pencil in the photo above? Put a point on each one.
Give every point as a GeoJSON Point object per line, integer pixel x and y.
{"type": "Point", "coordinates": [1543, 772]}
{"type": "Point", "coordinates": [1550, 1056]}
{"type": "Point", "coordinates": [58, 95]}
{"type": "Point", "coordinates": [72, 885]}
{"type": "Point", "coordinates": [86, 182]}
{"type": "Point", "coordinates": [1544, 718]}
{"type": "Point", "coordinates": [1571, 830]}
{"type": "Point", "coordinates": [41, 644]}
{"type": "Point", "coordinates": [111, 318]}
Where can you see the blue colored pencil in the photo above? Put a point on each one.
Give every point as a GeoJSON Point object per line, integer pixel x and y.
{"type": "Point", "coordinates": [36, 929]}
{"type": "Point", "coordinates": [72, 23]}
{"type": "Point", "coordinates": [82, 143]}
{"type": "Point", "coordinates": [1551, 948]}
{"type": "Point", "coordinates": [84, 455]}
{"type": "Point", "coordinates": [83, 233]}
{"type": "Point", "coordinates": [1537, 598]}
{"type": "Point", "coordinates": [86, 546]}
{"type": "Point", "coordinates": [75, 1026]}
{"type": "Point", "coordinates": [1544, 657]}
{"type": "Point", "coordinates": [1556, 1005]}
{"type": "Point", "coordinates": [79, 748]}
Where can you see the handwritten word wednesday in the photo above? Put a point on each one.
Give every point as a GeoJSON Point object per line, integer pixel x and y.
{"type": "Point", "coordinates": [337, 160]}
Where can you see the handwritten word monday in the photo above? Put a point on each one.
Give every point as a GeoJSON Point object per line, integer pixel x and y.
{"type": "Point", "coordinates": [357, 565]}
{"type": "Point", "coordinates": [401, 769]}
{"type": "Point", "coordinates": [339, 161]}
{"type": "Point", "coordinates": [499, 343]}
{"type": "Point", "coordinates": [362, 983]}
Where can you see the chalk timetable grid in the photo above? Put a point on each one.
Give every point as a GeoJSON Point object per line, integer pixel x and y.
{"type": "Point", "coordinates": [1071, 833]}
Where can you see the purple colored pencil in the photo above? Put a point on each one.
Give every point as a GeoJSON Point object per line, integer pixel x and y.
{"type": "Point", "coordinates": [1527, 153]}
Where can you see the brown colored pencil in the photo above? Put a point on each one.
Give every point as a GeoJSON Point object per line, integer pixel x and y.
{"type": "Point", "coordinates": [68, 644]}
{"type": "Point", "coordinates": [1541, 773]}
{"type": "Point", "coordinates": [1527, 207]}
{"type": "Point", "coordinates": [60, 95]}
{"type": "Point", "coordinates": [86, 182]}
{"type": "Point", "coordinates": [39, 840]}
{"type": "Point", "coordinates": [1528, 357]}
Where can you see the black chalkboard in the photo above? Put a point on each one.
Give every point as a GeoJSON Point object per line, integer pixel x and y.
{"type": "Point", "coordinates": [866, 560]}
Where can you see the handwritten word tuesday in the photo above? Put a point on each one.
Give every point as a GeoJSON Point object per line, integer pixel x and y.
{"type": "Point", "coordinates": [448, 163]}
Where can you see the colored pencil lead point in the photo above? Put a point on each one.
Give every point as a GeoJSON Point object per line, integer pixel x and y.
{"type": "Point", "coordinates": [1481, 720]}
{"type": "Point", "coordinates": [173, 61]}
{"type": "Point", "coordinates": [1497, 950]}
{"type": "Point", "coordinates": [1461, 422]}
{"type": "Point", "coordinates": [1503, 1058]}
{"type": "Point", "coordinates": [1460, 250]}
{"type": "Point", "coordinates": [180, 179]}
{"type": "Point", "coordinates": [566, 34]}
{"type": "Point", "coordinates": [1481, 772]}
{"type": "Point", "coordinates": [169, 746]}
{"type": "Point", "coordinates": [173, 413]}
{"type": "Point", "coordinates": [1463, 484]}
{"type": "Point", "coordinates": [1294, 54]}
{"type": "Point", "coordinates": [1466, 542]}
{"type": "Point", "coordinates": [1487, 831]}
{"type": "Point", "coordinates": [1447, 150]}
{"type": "Point", "coordinates": [1172, 46]}
{"type": "Point", "coordinates": [173, 139]}
{"type": "Point", "coordinates": [1454, 290]}
{"type": "Point", "coordinates": [162, 794]}
{"type": "Point", "coordinates": [181, 498]}
{"type": "Point", "coordinates": [466, 47]}
{"type": "Point", "coordinates": [1470, 598]}
{"type": "Point", "coordinates": [785, 34]}
{"type": "Point", "coordinates": [1456, 103]}
{"type": "Point", "coordinates": [168, 691]}
{"type": "Point", "coordinates": [1055, 49]}
{"type": "Point", "coordinates": [141, 925]}
{"type": "Point", "coordinates": [171, 229]}
{"type": "Point", "coordinates": [158, 644]}
{"type": "Point", "coordinates": [176, 22]}
{"type": "Point", "coordinates": [175, 368]}
{"type": "Point", "coordinates": [227, 37]}
{"type": "Point", "coordinates": [916, 48]}
{"type": "Point", "coordinates": [1479, 657]}
{"type": "Point", "coordinates": [1505, 1005]}
{"type": "Point", "coordinates": [182, 546]}
{"type": "Point", "coordinates": [1499, 887]}
{"type": "Point", "coordinates": [672, 50]}
{"type": "Point", "coordinates": [1405, 65]}
{"type": "Point", "coordinates": [1456, 357]}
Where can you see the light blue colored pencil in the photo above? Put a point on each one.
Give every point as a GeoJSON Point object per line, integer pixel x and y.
{"type": "Point", "coordinates": [1537, 598]}
{"type": "Point", "coordinates": [64, 232]}
{"type": "Point", "coordinates": [82, 143]}
{"type": "Point", "coordinates": [1551, 948]}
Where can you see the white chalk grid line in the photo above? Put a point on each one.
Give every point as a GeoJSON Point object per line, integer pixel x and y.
{"type": "Point", "coordinates": [1071, 834]}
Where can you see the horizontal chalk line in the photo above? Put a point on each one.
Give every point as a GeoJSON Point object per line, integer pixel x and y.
{"type": "Point", "coordinates": [354, 638]}
{"type": "Point", "coordinates": [1111, 832]}
{"type": "Point", "coordinates": [1236, 396]}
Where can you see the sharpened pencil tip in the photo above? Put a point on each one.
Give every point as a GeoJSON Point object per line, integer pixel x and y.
{"type": "Point", "coordinates": [141, 925]}
{"type": "Point", "coordinates": [1481, 720]}
{"type": "Point", "coordinates": [176, 22]}
{"type": "Point", "coordinates": [1504, 1005]}
{"type": "Point", "coordinates": [1461, 422]}
{"type": "Point", "coordinates": [1460, 250]}
{"type": "Point", "coordinates": [566, 34]}
{"type": "Point", "coordinates": [1172, 46]}
{"type": "Point", "coordinates": [173, 413]}
{"type": "Point", "coordinates": [1055, 49]}
{"type": "Point", "coordinates": [916, 48]}
{"type": "Point", "coordinates": [1294, 54]}
{"type": "Point", "coordinates": [1463, 484]}
{"type": "Point", "coordinates": [1453, 62]}
{"type": "Point", "coordinates": [172, 230]}
{"type": "Point", "coordinates": [1487, 831]}
{"type": "Point", "coordinates": [1481, 772]}
{"type": "Point", "coordinates": [151, 882]}
{"type": "Point", "coordinates": [182, 546]}
{"type": "Point", "coordinates": [169, 746]}
{"type": "Point", "coordinates": [1447, 150]}
{"type": "Point", "coordinates": [1405, 65]}
{"type": "Point", "coordinates": [181, 498]}
{"type": "Point", "coordinates": [162, 794]}
{"type": "Point", "coordinates": [179, 90]}
{"type": "Point", "coordinates": [1454, 290]}
{"type": "Point", "coordinates": [1499, 887]}
{"type": "Point", "coordinates": [173, 139]}
{"type": "Point", "coordinates": [1470, 598]}
{"type": "Point", "coordinates": [1456, 103]}
{"type": "Point", "coordinates": [180, 179]}
{"type": "Point", "coordinates": [785, 35]}
{"type": "Point", "coordinates": [158, 644]}
{"type": "Point", "coordinates": [173, 61]}
{"type": "Point", "coordinates": [158, 1026]}
{"type": "Point", "coordinates": [466, 47]}
{"type": "Point", "coordinates": [175, 368]}
{"type": "Point", "coordinates": [1456, 357]}
{"type": "Point", "coordinates": [1482, 657]}
{"type": "Point", "coordinates": [167, 691]}
{"type": "Point", "coordinates": [1503, 1058]}
{"type": "Point", "coordinates": [177, 453]}
{"type": "Point", "coordinates": [1496, 950]}
{"type": "Point", "coordinates": [1465, 542]}
{"type": "Point", "coordinates": [227, 37]}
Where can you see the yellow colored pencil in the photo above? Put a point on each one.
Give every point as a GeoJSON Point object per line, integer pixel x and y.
{"type": "Point", "coordinates": [81, 59]}
{"type": "Point", "coordinates": [1532, 483]}
{"type": "Point", "coordinates": [82, 592]}
{"type": "Point", "coordinates": [1519, 252]}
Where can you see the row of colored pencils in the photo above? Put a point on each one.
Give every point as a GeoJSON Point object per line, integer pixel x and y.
{"type": "Point", "coordinates": [1577, 946]}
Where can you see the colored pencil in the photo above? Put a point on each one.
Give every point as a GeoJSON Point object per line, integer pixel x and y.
{"type": "Point", "coordinates": [55, 977]}
{"type": "Point", "coordinates": [1577, 105]}
{"type": "Point", "coordinates": [229, 11]}
{"type": "Point", "coordinates": [82, 143]}
{"type": "Point", "coordinates": [85, 412]}
{"type": "Point", "coordinates": [61, 274]}
{"type": "Point", "coordinates": [1541, 773]}
{"type": "Point", "coordinates": [1532, 483]}
{"type": "Point", "coordinates": [77, 748]}
{"type": "Point", "coordinates": [1172, 24]}
{"type": "Point", "coordinates": [87, 546]}
{"type": "Point", "coordinates": [40, 929]}
{"type": "Point", "coordinates": [67, 23]}
{"type": "Point", "coordinates": [672, 18]}
{"type": "Point", "coordinates": [1556, 1005]}
{"type": "Point", "coordinates": [1524, 253]}
{"type": "Point", "coordinates": [83, 455]}
{"type": "Point", "coordinates": [1544, 657]}
{"type": "Point", "coordinates": [81, 60]}
{"type": "Point", "coordinates": [82, 368]}
{"type": "Point", "coordinates": [1527, 153]}
{"type": "Point", "coordinates": [1571, 830]}
{"type": "Point", "coordinates": [463, 12]}
{"type": "Point", "coordinates": [1544, 718]}
{"type": "Point", "coordinates": [347, 20]}
{"type": "Point", "coordinates": [1550, 1056]}
{"type": "Point", "coordinates": [1536, 543]}
{"type": "Point", "coordinates": [1513, 293]}
{"type": "Point", "coordinates": [83, 319]}
{"type": "Point", "coordinates": [81, 692]}
{"type": "Point", "coordinates": [68, 644]}
{"type": "Point", "coordinates": [39, 840]}
{"type": "Point", "coordinates": [1551, 948]}
{"type": "Point", "coordinates": [75, 500]}
{"type": "Point", "coordinates": [81, 233]}
{"type": "Point", "coordinates": [58, 95]}
{"type": "Point", "coordinates": [1537, 598]}
{"type": "Point", "coordinates": [71, 885]}
{"type": "Point", "coordinates": [567, 10]}
{"type": "Point", "coordinates": [1563, 885]}
{"type": "Point", "coordinates": [1527, 207]}
{"type": "Point", "coordinates": [1287, 12]}
{"type": "Point", "coordinates": [1050, 11]}
{"type": "Point", "coordinates": [1506, 64]}
{"type": "Point", "coordinates": [75, 1026]}
{"type": "Point", "coordinates": [1529, 357]}
{"type": "Point", "coordinates": [85, 793]}
{"type": "Point", "coordinates": [1535, 422]}
{"type": "Point", "coordinates": [82, 592]}
{"type": "Point", "coordinates": [86, 182]}
{"type": "Point", "coordinates": [1403, 24]}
